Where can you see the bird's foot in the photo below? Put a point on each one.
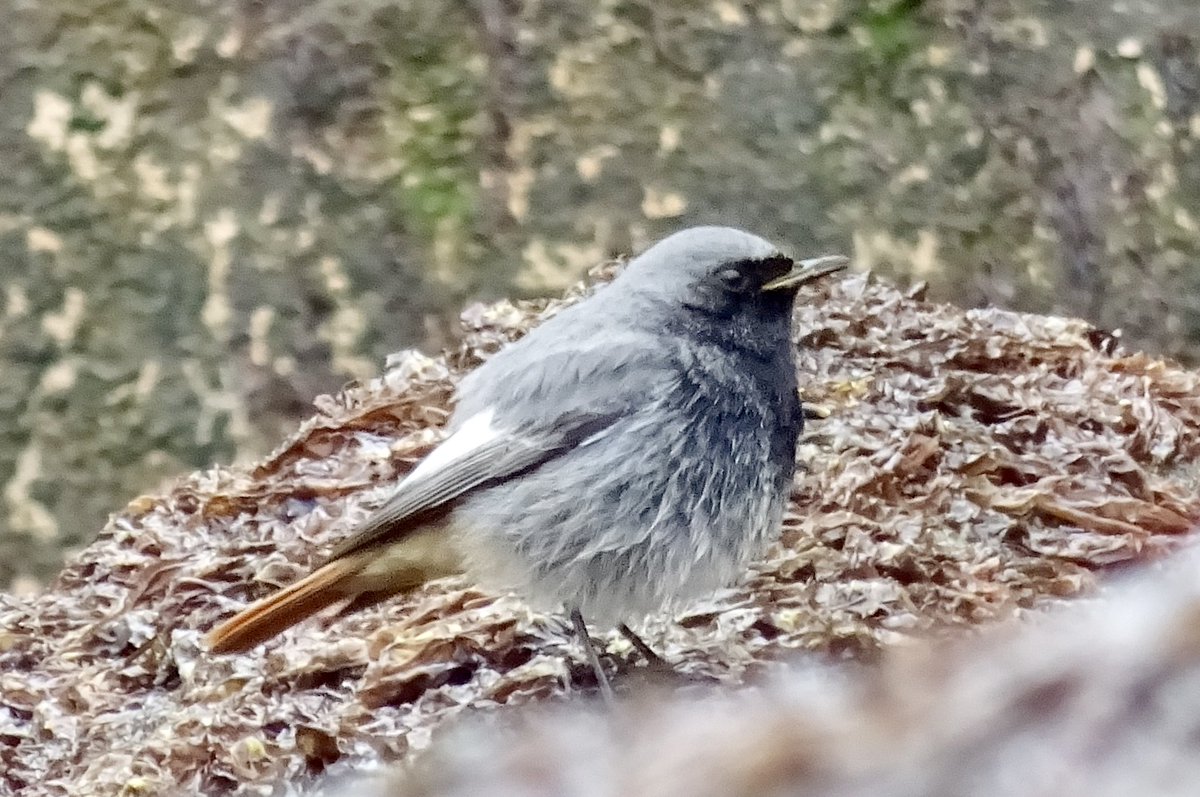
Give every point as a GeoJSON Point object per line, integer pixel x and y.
{"type": "Point", "coordinates": [589, 649]}
{"type": "Point", "coordinates": [659, 669]}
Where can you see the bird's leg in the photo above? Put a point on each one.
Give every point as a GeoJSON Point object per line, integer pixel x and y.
{"type": "Point", "coordinates": [655, 661]}
{"type": "Point", "coordinates": [656, 664]}
{"type": "Point", "coordinates": [585, 639]}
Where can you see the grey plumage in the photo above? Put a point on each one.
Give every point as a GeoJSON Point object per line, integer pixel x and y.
{"type": "Point", "coordinates": [632, 452]}
{"type": "Point", "coordinates": [688, 399]}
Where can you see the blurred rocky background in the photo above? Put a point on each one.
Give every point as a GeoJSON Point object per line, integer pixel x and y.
{"type": "Point", "coordinates": [212, 211]}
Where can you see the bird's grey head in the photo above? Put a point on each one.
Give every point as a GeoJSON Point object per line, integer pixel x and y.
{"type": "Point", "coordinates": [720, 281]}
{"type": "Point", "coordinates": [713, 266]}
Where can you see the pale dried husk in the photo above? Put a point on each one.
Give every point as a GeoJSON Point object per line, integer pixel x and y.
{"type": "Point", "coordinates": [973, 464]}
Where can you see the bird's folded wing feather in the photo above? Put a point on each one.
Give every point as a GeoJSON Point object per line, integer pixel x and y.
{"type": "Point", "coordinates": [475, 455]}
{"type": "Point", "coordinates": [536, 412]}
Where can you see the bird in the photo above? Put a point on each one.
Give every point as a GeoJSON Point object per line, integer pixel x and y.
{"type": "Point", "coordinates": [631, 453]}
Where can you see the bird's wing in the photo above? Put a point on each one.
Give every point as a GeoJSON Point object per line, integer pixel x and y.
{"type": "Point", "coordinates": [563, 407]}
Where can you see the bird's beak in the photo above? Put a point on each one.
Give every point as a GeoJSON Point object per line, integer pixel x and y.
{"type": "Point", "coordinates": [808, 270]}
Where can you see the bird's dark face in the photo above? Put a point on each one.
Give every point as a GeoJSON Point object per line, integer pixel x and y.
{"type": "Point", "coordinates": [721, 285]}
{"type": "Point", "coordinates": [729, 288]}
{"type": "Point", "coordinates": [720, 271]}
{"type": "Point", "coordinates": [746, 304]}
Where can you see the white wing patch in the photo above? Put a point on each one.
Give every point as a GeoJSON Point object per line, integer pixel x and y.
{"type": "Point", "coordinates": [476, 432]}
{"type": "Point", "coordinates": [600, 435]}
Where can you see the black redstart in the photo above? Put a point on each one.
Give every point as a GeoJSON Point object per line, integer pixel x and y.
{"type": "Point", "coordinates": [633, 451]}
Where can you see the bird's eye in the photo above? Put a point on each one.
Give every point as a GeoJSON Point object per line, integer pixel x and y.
{"type": "Point", "coordinates": [733, 279]}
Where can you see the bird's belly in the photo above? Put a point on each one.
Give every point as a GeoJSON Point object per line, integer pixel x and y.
{"type": "Point", "coordinates": [627, 538]}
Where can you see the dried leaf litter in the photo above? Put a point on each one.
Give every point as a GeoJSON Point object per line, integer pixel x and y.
{"type": "Point", "coordinates": [972, 464]}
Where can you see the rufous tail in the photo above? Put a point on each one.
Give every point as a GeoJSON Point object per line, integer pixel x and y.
{"type": "Point", "coordinates": [323, 587]}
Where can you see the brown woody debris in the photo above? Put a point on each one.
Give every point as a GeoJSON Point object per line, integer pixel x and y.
{"type": "Point", "coordinates": [973, 464]}
{"type": "Point", "coordinates": [1100, 699]}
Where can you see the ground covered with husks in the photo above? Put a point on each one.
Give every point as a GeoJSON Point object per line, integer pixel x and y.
{"type": "Point", "coordinates": [973, 465]}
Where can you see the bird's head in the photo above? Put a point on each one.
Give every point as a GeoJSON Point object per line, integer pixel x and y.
{"type": "Point", "coordinates": [728, 280]}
